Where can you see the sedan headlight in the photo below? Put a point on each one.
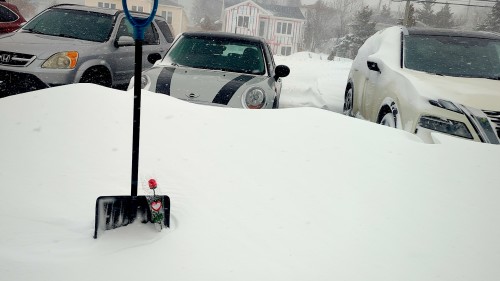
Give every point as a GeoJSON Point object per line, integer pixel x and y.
{"type": "Point", "coordinates": [254, 98]}
{"type": "Point", "coordinates": [145, 82]}
{"type": "Point", "coordinates": [446, 126]}
{"type": "Point", "coordinates": [62, 60]}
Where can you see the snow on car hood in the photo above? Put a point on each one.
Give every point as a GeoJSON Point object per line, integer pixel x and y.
{"type": "Point", "coordinates": [480, 93]}
{"type": "Point", "coordinates": [42, 46]}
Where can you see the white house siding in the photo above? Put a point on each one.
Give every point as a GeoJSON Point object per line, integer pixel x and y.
{"type": "Point", "coordinates": [256, 14]}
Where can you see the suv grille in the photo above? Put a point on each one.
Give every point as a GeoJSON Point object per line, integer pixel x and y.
{"type": "Point", "coordinates": [15, 59]}
{"type": "Point", "coordinates": [494, 117]}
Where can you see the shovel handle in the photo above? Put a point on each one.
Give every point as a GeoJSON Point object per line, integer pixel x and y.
{"type": "Point", "coordinates": [139, 24]}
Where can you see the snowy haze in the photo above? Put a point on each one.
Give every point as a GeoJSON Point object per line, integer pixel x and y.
{"type": "Point", "coordinates": [297, 193]}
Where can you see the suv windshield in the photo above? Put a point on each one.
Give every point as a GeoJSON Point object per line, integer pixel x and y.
{"type": "Point", "coordinates": [82, 25]}
{"type": "Point", "coordinates": [453, 56]}
{"type": "Point", "coordinates": [217, 53]}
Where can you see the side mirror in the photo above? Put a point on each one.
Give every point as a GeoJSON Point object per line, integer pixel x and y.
{"type": "Point", "coordinates": [373, 66]}
{"type": "Point", "coordinates": [281, 71]}
{"type": "Point", "coordinates": [154, 57]}
{"type": "Point", "coordinates": [124, 41]}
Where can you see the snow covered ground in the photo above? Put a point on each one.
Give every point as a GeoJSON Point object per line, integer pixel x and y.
{"type": "Point", "coordinates": [289, 194]}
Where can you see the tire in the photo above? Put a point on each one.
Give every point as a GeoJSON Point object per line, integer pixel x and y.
{"type": "Point", "coordinates": [348, 101]}
{"type": "Point", "coordinates": [389, 116]}
{"type": "Point", "coordinates": [97, 75]}
{"type": "Point", "coordinates": [388, 120]}
{"type": "Point", "coordinates": [276, 103]}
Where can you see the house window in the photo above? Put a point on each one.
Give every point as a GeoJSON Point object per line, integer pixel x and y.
{"type": "Point", "coordinates": [106, 5]}
{"type": "Point", "coordinates": [137, 8]}
{"type": "Point", "coordinates": [286, 51]}
{"type": "Point", "coordinates": [167, 15]}
{"type": "Point", "coordinates": [284, 28]}
{"type": "Point", "coordinates": [243, 21]}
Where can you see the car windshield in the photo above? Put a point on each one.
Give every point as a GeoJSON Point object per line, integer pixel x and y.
{"type": "Point", "coordinates": [225, 54]}
{"type": "Point", "coordinates": [82, 25]}
{"type": "Point", "coordinates": [453, 55]}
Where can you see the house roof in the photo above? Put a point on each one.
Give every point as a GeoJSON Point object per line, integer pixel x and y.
{"type": "Point", "coordinates": [275, 10]}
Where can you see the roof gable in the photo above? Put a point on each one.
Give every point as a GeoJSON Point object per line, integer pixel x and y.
{"type": "Point", "coordinates": [275, 10]}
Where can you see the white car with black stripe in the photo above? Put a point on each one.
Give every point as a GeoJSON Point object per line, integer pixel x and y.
{"type": "Point", "coordinates": [215, 68]}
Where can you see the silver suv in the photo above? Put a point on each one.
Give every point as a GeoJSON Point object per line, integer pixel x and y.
{"type": "Point", "coordinates": [72, 43]}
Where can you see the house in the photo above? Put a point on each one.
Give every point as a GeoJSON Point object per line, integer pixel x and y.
{"type": "Point", "coordinates": [281, 26]}
{"type": "Point", "coordinates": [169, 9]}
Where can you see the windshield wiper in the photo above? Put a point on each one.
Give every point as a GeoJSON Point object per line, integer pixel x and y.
{"type": "Point", "coordinates": [33, 31]}
{"type": "Point", "coordinates": [68, 36]}
{"type": "Point", "coordinates": [493, 78]}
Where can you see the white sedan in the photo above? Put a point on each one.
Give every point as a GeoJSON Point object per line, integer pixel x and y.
{"type": "Point", "coordinates": [428, 81]}
{"type": "Point", "coordinates": [216, 68]}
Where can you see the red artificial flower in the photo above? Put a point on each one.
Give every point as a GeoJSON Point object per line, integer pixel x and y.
{"type": "Point", "coordinates": [152, 184]}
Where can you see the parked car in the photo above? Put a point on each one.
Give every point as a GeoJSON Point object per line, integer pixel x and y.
{"type": "Point", "coordinates": [10, 17]}
{"type": "Point", "coordinates": [218, 68]}
{"type": "Point", "coordinates": [428, 80]}
{"type": "Point", "coordinates": [72, 43]}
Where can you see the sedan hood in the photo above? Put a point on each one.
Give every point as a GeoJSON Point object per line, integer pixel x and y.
{"type": "Point", "coordinates": [42, 46]}
{"type": "Point", "coordinates": [200, 85]}
{"type": "Point", "coordinates": [480, 93]}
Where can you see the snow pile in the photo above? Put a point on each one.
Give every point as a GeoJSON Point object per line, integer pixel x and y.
{"type": "Point", "coordinates": [326, 81]}
{"type": "Point", "coordinates": [288, 194]}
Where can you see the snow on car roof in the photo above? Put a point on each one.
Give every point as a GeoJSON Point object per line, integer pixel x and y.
{"type": "Point", "coordinates": [217, 34]}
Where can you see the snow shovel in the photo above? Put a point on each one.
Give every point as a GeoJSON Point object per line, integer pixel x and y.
{"type": "Point", "coordinates": [116, 211]}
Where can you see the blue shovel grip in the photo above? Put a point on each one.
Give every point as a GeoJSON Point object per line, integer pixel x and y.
{"type": "Point", "coordinates": [138, 23]}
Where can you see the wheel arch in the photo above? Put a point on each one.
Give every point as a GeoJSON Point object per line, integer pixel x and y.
{"type": "Point", "coordinates": [389, 105]}
{"type": "Point", "coordinates": [91, 64]}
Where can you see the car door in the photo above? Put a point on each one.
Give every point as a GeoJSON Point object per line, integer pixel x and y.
{"type": "Point", "coordinates": [124, 60]}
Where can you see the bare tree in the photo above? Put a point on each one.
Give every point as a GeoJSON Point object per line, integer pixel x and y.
{"type": "Point", "coordinates": [345, 9]}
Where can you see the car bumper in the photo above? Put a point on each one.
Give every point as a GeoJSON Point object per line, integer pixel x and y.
{"type": "Point", "coordinates": [16, 80]}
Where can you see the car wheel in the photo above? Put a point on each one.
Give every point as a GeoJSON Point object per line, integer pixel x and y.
{"type": "Point", "coordinates": [276, 103]}
{"type": "Point", "coordinates": [348, 101]}
{"type": "Point", "coordinates": [389, 116]}
{"type": "Point", "coordinates": [97, 75]}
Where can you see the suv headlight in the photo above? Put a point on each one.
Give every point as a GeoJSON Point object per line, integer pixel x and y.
{"type": "Point", "coordinates": [62, 60]}
{"type": "Point", "coordinates": [446, 105]}
{"type": "Point", "coordinates": [254, 98]}
{"type": "Point", "coordinates": [446, 126]}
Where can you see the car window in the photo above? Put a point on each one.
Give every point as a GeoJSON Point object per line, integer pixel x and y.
{"type": "Point", "coordinates": [165, 30]}
{"type": "Point", "coordinates": [453, 56]}
{"type": "Point", "coordinates": [218, 53]}
{"type": "Point", "coordinates": [82, 25]}
{"type": "Point", "coordinates": [150, 34]}
{"type": "Point", "coordinates": [6, 15]}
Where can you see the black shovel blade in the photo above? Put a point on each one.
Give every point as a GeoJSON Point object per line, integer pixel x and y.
{"type": "Point", "coordinates": [116, 211]}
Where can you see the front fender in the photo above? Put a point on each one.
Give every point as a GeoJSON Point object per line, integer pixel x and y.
{"type": "Point", "coordinates": [91, 63]}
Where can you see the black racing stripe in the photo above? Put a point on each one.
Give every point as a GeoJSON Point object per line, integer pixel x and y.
{"type": "Point", "coordinates": [226, 93]}
{"type": "Point", "coordinates": [164, 80]}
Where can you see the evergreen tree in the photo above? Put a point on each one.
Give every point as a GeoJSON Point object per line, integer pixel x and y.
{"type": "Point", "coordinates": [492, 21]}
{"type": "Point", "coordinates": [426, 14]}
{"type": "Point", "coordinates": [412, 21]}
{"type": "Point", "coordinates": [411, 17]}
{"type": "Point", "coordinates": [444, 18]}
{"type": "Point", "coordinates": [205, 13]}
{"type": "Point", "coordinates": [362, 28]}
{"type": "Point", "coordinates": [385, 12]}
